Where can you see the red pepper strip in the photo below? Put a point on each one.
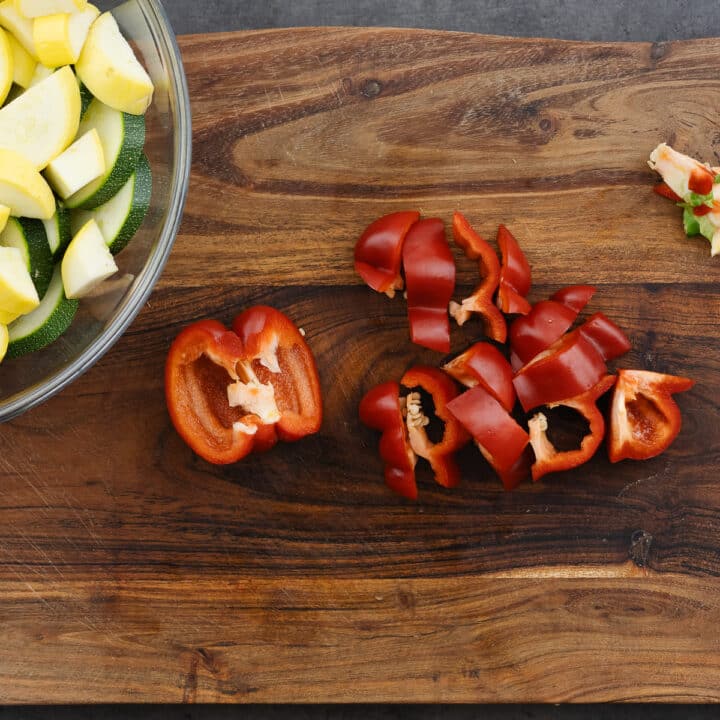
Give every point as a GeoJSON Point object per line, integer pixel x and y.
{"type": "Point", "coordinates": [644, 419]}
{"type": "Point", "coordinates": [547, 458]}
{"type": "Point", "coordinates": [546, 322]}
{"type": "Point", "coordinates": [701, 180]}
{"type": "Point", "coordinates": [378, 252]}
{"type": "Point", "coordinates": [576, 297]}
{"type": "Point", "coordinates": [430, 276]}
{"type": "Point", "coordinates": [701, 210]}
{"type": "Point", "coordinates": [483, 364]}
{"type": "Point", "coordinates": [500, 439]}
{"type": "Point", "coordinates": [481, 300]}
{"type": "Point", "coordinates": [233, 393]}
{"type": "Point", "coordinates": [663, 189]}
{"type": "Point", "coordinates": [380, 410]}
{"type": "Point", "coordinates": [568, 368]}
{"type": "Point", "coordinates": [515, 275]}
{"type": "Point", "coordinates": [611, 342]}
{"type": "Point", "coordinates": [442, 390]}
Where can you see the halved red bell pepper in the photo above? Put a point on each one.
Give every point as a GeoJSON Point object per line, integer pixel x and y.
{"type": "Point", "coordinates": [481, 301]}
{"type": "Point", "coordinates": [644, 418]}
{"type": "Point", "coordinates": [547, 458]}
{"type": "Point", "coordinates": [664, 190]}
{"type": "Point", "coordinates": [430, 278]}
{"type": "Point", "coordinates": [232, 393]}
{"type": "Point", "coordinates": [500, 439]}
{"type": "Point", "coordinates": [378, 252]}
{"type": "Point", "coordinates": [515, 275]}
{"type": "Point", "coordinates": [381, 410]}
{"type": "Point", "coordinates": [442, 390]}
{"type": "Point", "coordinates": [483, 364]}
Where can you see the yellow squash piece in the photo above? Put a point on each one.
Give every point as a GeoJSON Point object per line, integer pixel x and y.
{"type": "Point", "coordinates": [4, 341]}
{"type": "Point", "coordinates": [17, 292]}
{"type": "Point", "coordinates": [7, 65]}
{"type": "Point", "coordinates": [44, 120]}
{"type": "Point", "coordinates": [23, 189]}
{"type": "Point", "coordinates": [111, 72]}
{"type": "Point", "coordinates": [4, 217]}
{"type": "Point", "coordinates": [40, 8]}
{"type": "Point", "coordinates": [40, 74]}
{"type": "Point", "coordinates": [59, 39]}
{"type": "Point", "coordinates": [20, 26]}
{"type": "Point", "coordinates": [24, 64]}
{"type": "Point", "coordinates": [87, 262]}
{"type": "Point", "coordinates": [80, 164]}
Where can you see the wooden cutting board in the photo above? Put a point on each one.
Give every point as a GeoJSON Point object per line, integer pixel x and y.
{"type": "Point", "coordinates": [130, 570]}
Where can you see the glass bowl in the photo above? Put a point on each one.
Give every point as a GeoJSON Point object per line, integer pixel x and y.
{"type": "Point", "coordinates": [101, 320]}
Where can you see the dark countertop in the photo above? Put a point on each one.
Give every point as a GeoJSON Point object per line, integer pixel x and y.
{"type": "Point", "coordinates": [571, 19]}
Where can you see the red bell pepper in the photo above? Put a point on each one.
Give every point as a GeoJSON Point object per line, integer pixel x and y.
{"type": "Point", "coordinates": [483, 364]}
{"type": "Point", "coordinates": [515, 275]}
{"type": "Point", "coordinates": [430, 277]}
{"type": "Point", "coordinates": [575, 297]}
{"type": "Point", "coordinates": [232, 393]}
{"type": "Point", "coordinates": [644, 419]}
{"type": "Point", "coordinates": [701, 180]}
{"type": "Point", "coordinates": [440, 455]}
{"type": "Point", "coordinates": [378, 252]}
{"type": "Point", "coordinates": [663, 189]}
{"type": "Point", "coordinates": [381, 410]}
{"type": "Point", "coordinates": [547, 458]}
{"type": "Point", "coordinates": [500, 439]}
{"type": "Point", "coordinates": [481, 301]}
{"type": "Point", "coordinates": [609, 340]}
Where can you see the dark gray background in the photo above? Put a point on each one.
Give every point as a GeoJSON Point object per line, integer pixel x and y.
{"type": "Point", "coordinates": [579, 19]}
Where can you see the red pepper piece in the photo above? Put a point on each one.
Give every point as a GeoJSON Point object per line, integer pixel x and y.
{"type": "Point", "coordinates": [568, 368]}
{"type": "Point", "coordinates": [701, 210]}
{"type": "Point", "coordinates": [701, 180]}
{"type": "Point", "coordinates": [233, 393]}
{"type": "Point", "coordinates": [481, 301]}
{"type": "Point", "coordinates": [430, 276]}
{"type": "Point", "coordinates": [663, 189]}
{"type": "Point", "coordinates": [483, 364]}
{"type": "Point", "coordinates": [546, 322]}
{"type": "Point", "coordinates": [610, 341]}
{"type": "Point", "coordinates": [500, 439]}
{"type": "Point", "coordinates": [442, 390]}
{"type": "Point", "coordinates": [547, 458]}
{"type": "Point", "coordinates": [575, 297]}
{"type": "Point", "coordinates": [380, 409]}
{"type": "Point", "coordinates": [378, 252]}
{"type": "Point", "coordinates": [515, 275]}
{"type": "Point", "coordinates": [644, 419]}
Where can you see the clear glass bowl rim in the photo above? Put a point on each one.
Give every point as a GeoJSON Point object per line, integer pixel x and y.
{"type": "Point", "coordinates": [131, 305]}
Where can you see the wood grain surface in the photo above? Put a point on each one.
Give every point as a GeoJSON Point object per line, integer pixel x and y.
{"type": "Point", "coordinates": [130, 570]}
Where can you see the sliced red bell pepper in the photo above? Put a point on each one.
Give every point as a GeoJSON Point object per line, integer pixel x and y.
{"type": "Point", "coordinates": [515, 275]}
{"type": "Point", "coordinates": [430, 277]}
{"type": "Point", "coordinates": [442, 390]}
{"type": "Point", "coordinates": [547, 458]}
{"type": "Point", "coordinates": [378, 252]}
{"type": "Point", "coordinates": [663, 189]}
{"type": "Point", "coordinates": [575, 297]}
{"type": "Point", "coordinates": [500, 439]}
{"type": "Point", "coordinates": [701, 180]}
{"type": "Point", "coordinates": [546, 322]}
{"type": "Point", "coordinates": [481, 301]}
{"type": "Point", "coordinates": [609, 340]}
{"type": "Point", "coordinates": [644, 418]}
{"type": "Point", "coordinates": [483, 364]}
{"type": "Point", "coordinates": [232, 393]}
{"type": "Point", "coordinates": [381, 410]}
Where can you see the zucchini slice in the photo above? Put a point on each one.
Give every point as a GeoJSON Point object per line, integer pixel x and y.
{"type": "Point", "coordinates": [122, 137]}
{"type": "Point", "coordinates": [29, 237]}
{"type": "Point", "coordinates": [57, 229]}
{"type": "Point", "coordinates": [121, 217]}
{"type": "Point", "coordinates": [46, 323]}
